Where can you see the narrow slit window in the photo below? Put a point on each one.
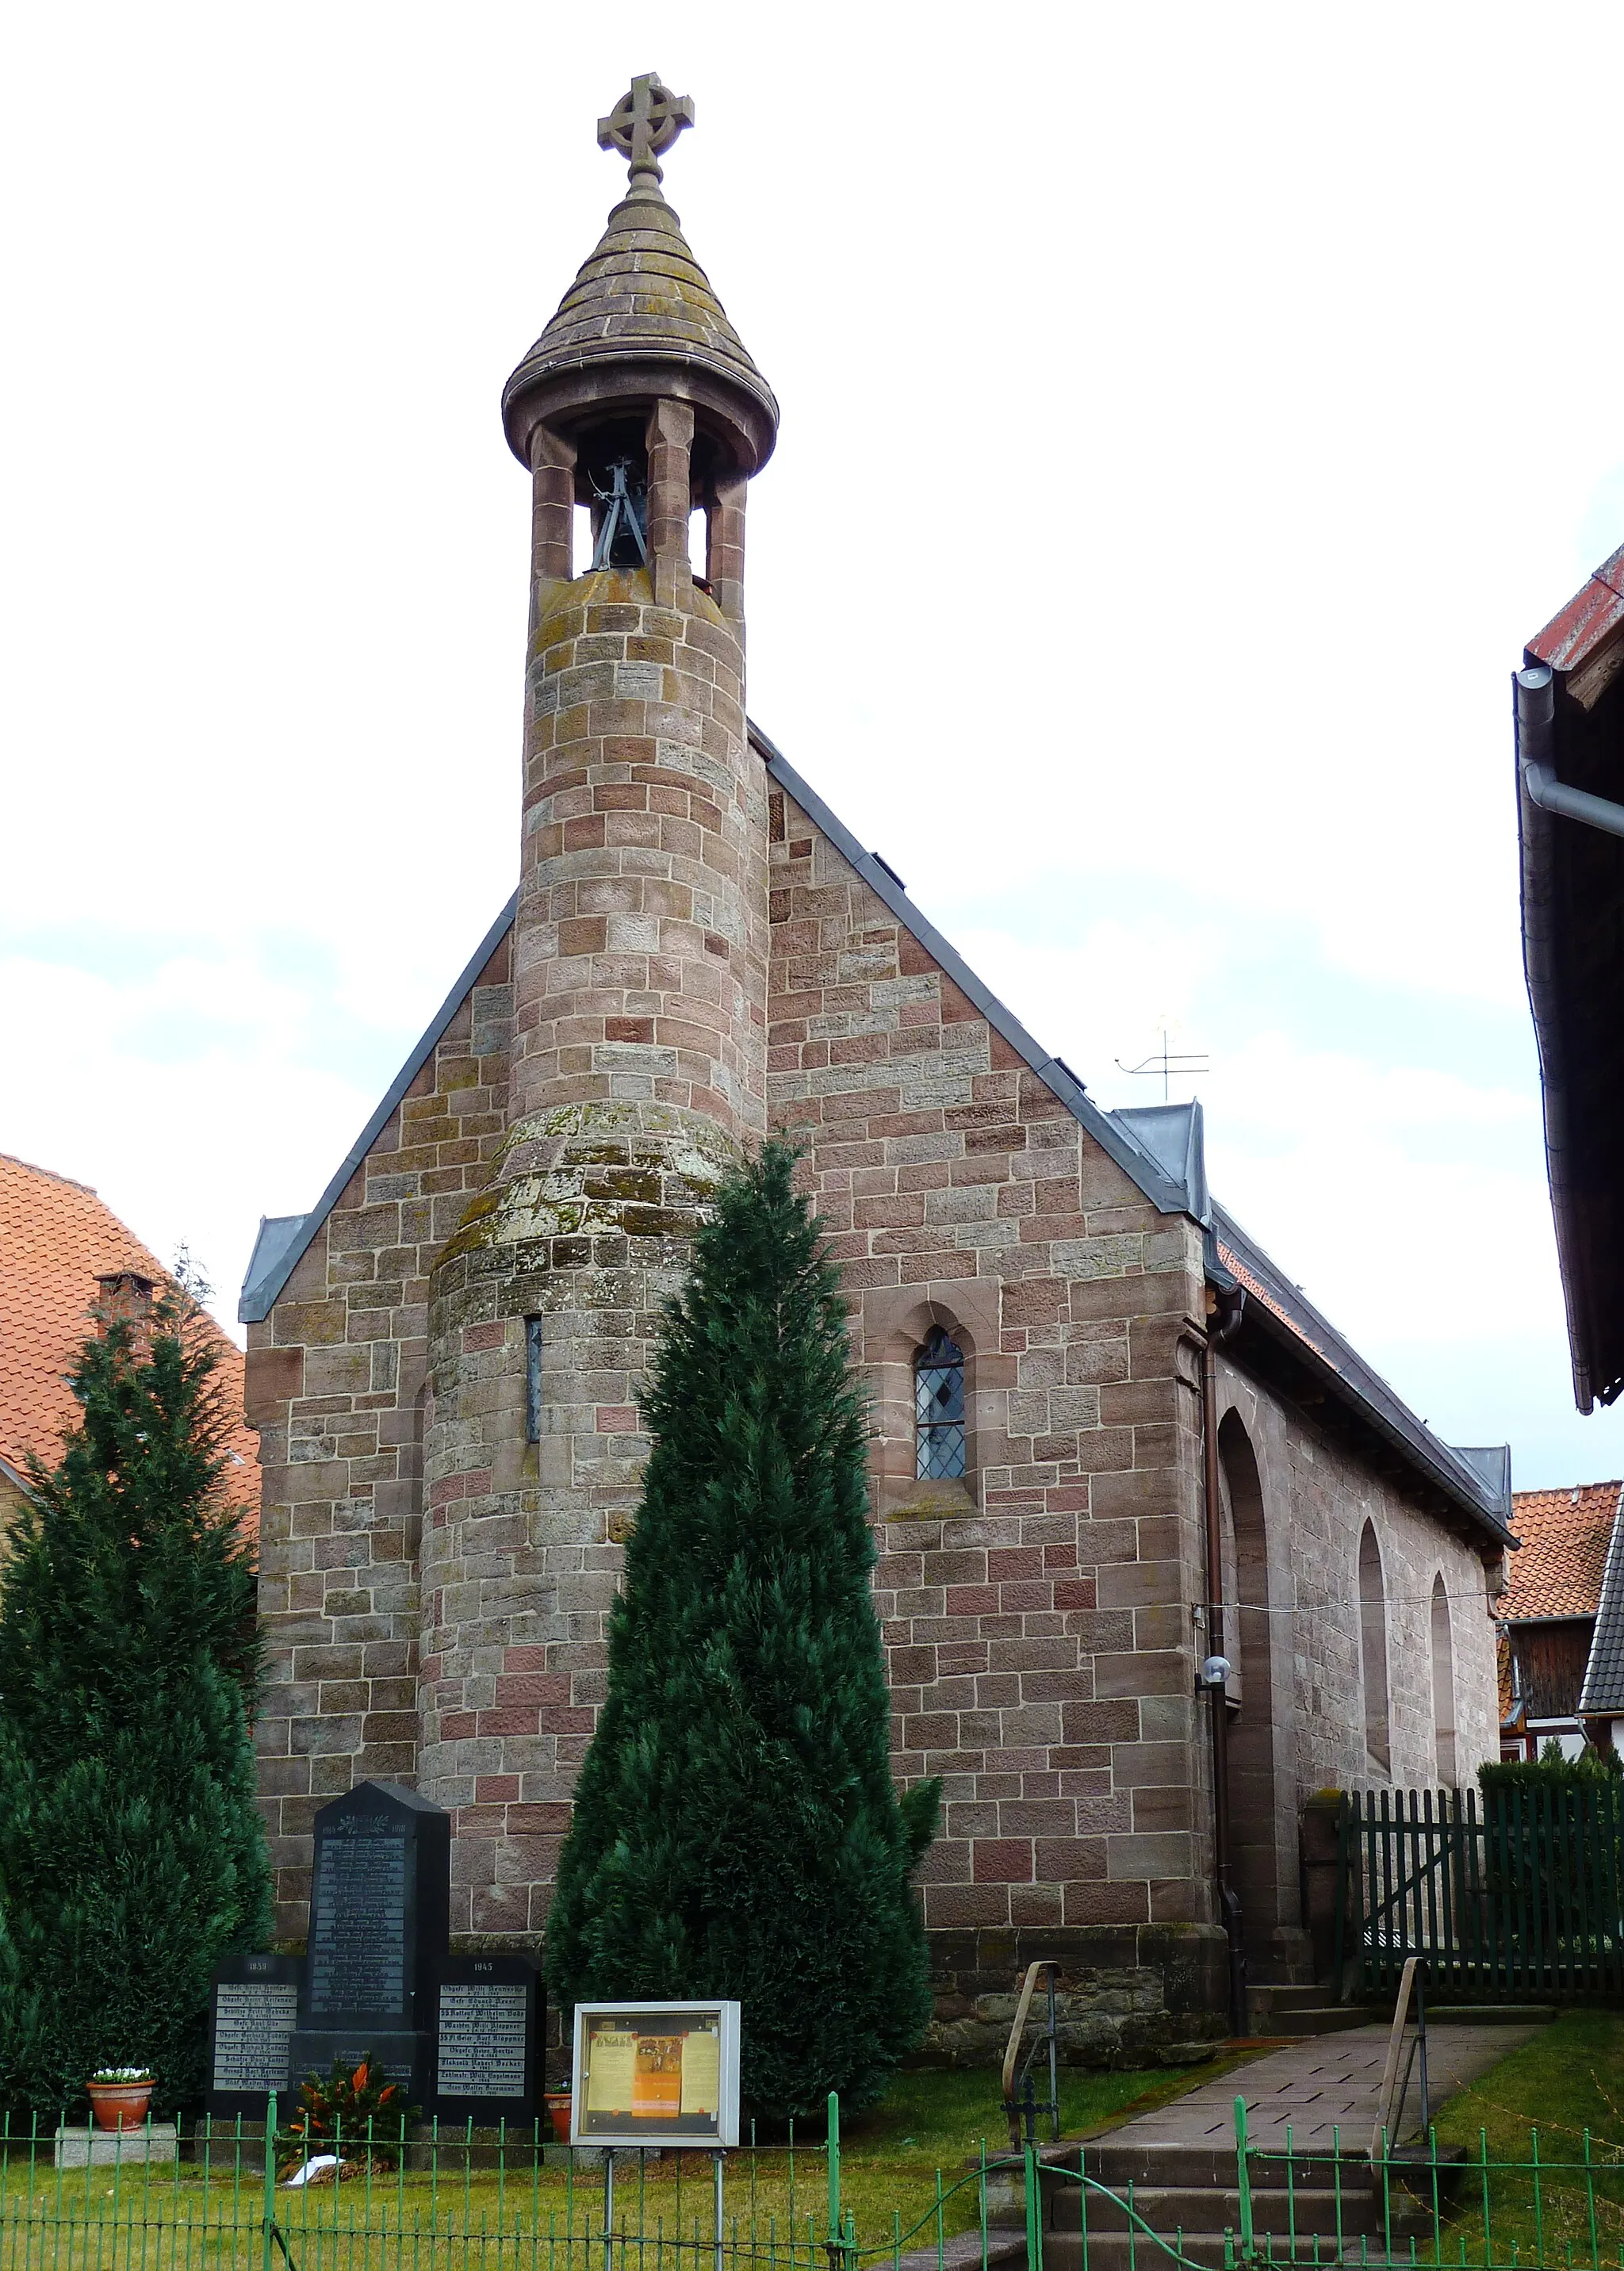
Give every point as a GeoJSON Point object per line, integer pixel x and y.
{"type": "Point", "coordinates": [533, 1380]}
{"type": "Point", "coordinates": [939, 1408]}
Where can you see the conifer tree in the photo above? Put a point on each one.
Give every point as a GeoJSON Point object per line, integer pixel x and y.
{"type": "Point", "coordinates": [736, 1831]}
{"type": "Point", "coordinates": [131, 1854]}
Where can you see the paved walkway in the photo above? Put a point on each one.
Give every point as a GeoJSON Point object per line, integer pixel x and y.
{"type": "Point", "coordinates": [1319, 2084]}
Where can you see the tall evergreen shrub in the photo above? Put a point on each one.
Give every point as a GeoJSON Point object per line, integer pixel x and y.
{"type": "Point", "coordinates": [736, 1831]}
{"type": "Point", "coordinates": [131, 1855]}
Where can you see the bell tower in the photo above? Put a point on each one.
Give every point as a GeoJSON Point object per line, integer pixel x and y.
{"type": "Point", "coordinates": [640, 989]}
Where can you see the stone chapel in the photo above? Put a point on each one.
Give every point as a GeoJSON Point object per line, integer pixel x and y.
{"type": "Point", "coordinates": [1159, 1556]}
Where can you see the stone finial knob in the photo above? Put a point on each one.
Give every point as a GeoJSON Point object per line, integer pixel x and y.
{"type": "Point", "coordinates": [644, 121]}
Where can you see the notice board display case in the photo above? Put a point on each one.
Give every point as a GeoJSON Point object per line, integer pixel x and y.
{"type": "Point", "coordinates": [656, 2074]}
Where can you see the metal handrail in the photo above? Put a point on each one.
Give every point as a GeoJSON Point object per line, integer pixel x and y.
{"type": "Point", "coordinates": [1386, 2131]}
{"type": "Point", "coordinates": [1022, 2104]}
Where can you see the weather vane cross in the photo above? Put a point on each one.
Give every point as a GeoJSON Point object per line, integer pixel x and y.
{"type": "Point", "coordinates": [644, 122]}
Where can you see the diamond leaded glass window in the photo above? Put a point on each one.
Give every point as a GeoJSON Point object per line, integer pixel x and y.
{"type": "Point", "coordinates": [939, 1407]}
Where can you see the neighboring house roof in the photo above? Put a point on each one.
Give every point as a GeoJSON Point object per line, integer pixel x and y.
{"type": "Point", "coordinates": [56, 1238]}
{"type": "Point", "coordinates": [1557, 1571]}
{"type": "Point", "coordinates": [1573, 956]}
{"type": "Point", "coordinates": [1160, 1147]}
{"type": "Point", "coordinates": [1602, 1692]}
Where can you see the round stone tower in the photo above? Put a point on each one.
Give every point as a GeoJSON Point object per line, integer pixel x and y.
{"type": "Point", "coordinates": [639, 1028]}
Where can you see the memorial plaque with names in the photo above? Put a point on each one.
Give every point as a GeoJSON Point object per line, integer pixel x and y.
{"type": "Point", "coordinates": [490, 2024]}
{"type": "Point", "coordinates": [380, 1907]}
{"type": "Point", "coordinates": [253, 2010]}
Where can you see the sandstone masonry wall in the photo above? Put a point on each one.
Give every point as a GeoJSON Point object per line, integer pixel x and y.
{"type": "Point", "coordinates": [1037, 1616]}
{"type": "Point", "coordinates": [335, 1380]}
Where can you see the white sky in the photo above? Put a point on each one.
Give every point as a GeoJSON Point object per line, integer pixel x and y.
{"type": "Point", "coordinates": [1187, 414]}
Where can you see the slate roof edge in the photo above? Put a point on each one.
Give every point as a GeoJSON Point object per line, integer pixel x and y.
{"type": "Point", "coordinates": [1315, 1341]}
{"type": "Point", "coordinates": [1057, 1077]}
{"type": "Point", "coordinates": [258, 1298]}
{"type": "Point", "coordinates": [1604, 1667]}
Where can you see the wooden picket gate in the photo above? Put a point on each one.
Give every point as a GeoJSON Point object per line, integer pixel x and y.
{"type": "Point", "coordinates": [1521, 1894]}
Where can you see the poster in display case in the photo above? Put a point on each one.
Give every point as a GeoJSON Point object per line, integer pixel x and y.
{"type": "Point", "coordinates": [655, 2073]}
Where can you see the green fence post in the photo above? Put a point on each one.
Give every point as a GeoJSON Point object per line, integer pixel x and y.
{"type": "Point", "coordinates": [833, 2233]}
{"type": "Point", "coordinates": [270, 2215]}
{"type": "Point", "coordinates": [1243, 2181]}
{"type": "Point", "coordinates": [1034, 2209]}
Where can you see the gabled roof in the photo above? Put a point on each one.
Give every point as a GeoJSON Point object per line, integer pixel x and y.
{"type": "Point", "coordinates": [1565, 1535]}
{"type": "Point", "coordinates": [56, 1238]}
{"type": "Point", "coordinates": [1602, 1692]}
{"type": "Point", "coordinates": [1160, 1148]}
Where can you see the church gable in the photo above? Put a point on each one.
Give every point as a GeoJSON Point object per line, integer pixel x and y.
{"type": "Point", "coordinates": [336, 1367]}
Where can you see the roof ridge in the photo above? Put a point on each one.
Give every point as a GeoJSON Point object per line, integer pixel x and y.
{"type": "Point", "coordinates": [12, 1159]}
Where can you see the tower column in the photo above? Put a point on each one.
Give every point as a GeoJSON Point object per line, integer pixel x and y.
{"type": "Point", "coordinates": [670, 436]}
{"type": "Point", "coordinates": [552, 510]}
{"type": "Point", "coordinates": [639, 1052]}
{"type": "Point", "coordinates": [725, 548]}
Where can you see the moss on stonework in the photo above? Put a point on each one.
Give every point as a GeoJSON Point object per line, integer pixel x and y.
{"type": "Point", "coordinates": [562, 617]}
{"type": "Point", "coordinates": [588, 1170]}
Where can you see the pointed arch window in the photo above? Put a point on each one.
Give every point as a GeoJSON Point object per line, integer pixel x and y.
{"type": "Point", "coordinates": [1373, 1651]}
{"type": "Point", "coordinates": [939, 1408]}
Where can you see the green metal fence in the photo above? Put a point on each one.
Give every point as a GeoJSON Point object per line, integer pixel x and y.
{"type": "Point", "coordinates": [442, 2199]}
{"type": "Point", "coordinates": [501, 2201]}
{"type": "Point", "coordinates": [1523, 1897]}
{"type": "Point", "coordinates": [1430, 2208]}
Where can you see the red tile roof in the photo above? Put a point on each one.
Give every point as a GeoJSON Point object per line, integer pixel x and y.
{"type": "Point", "coordinates": [1587, 623]}
{"type": "Point", "coordinates": [55, 1239]}
{"type": "Point", "coordinates": [1556, 1571]}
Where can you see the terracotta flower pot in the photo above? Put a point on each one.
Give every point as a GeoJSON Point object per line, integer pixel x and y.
{"type": "Point", "coordinates": [558, 2102]}
{"type": "Point", "coordinates": [119, 2104]}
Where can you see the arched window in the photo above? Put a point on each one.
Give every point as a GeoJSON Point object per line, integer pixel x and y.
{"type": "Point", "coordinates": [1373, 1649]}
{"type": "Point", "coordinates": [939, 1408]}
{"type": "Point", "coordinates": [1443, 1683]}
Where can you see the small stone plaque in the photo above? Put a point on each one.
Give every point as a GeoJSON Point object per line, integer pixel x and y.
{"type": "Point", "coordinates": [253, 2009]}
{"type": "Point", "coordinates": [489, 2031]}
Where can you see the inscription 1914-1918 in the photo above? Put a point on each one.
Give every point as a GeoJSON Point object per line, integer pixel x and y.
{"type": "Point", "coordinates": [254, 2009]}
{"type": "Point", "coordinates": [379, 1910]}
{"type": "Point", "coordinates": [358, 1923]}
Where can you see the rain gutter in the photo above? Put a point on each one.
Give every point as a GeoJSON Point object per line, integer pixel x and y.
{"type": "Point", "coordinates": [1534, 695]}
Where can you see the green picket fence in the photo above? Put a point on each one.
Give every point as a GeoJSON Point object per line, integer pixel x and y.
{"type": "Point", "coordinates": [1521, 1895]}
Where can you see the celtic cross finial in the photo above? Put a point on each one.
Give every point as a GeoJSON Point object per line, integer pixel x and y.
{"type": "Point", "coordinates": [644, 122]}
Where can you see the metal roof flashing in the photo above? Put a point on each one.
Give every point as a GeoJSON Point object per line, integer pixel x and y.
{"type": "Point", "coordinates": [266, 1277]}
{"type": "Point", "coordinates": [1115, 1138]}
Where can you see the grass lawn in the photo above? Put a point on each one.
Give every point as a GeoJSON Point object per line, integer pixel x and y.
{"type": "Point", "coordinates": [1566, 2082]}
{"type": "Point", "coordinates": [535, 2218]}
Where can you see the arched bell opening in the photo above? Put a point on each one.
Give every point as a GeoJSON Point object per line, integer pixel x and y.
{"type": "Point", "coordinates": [612, 482]}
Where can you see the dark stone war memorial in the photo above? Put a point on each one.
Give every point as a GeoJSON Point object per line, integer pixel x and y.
{"type": "Point", "coordinates": [380, 1909]}
{"type": "Point", "coordinates": [460, 2034]}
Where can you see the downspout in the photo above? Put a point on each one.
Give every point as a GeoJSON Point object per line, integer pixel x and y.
{"type": "Point", "coordinates": [1536, 711]}
{"type": "Point", "coordinates": [1224, 1319]}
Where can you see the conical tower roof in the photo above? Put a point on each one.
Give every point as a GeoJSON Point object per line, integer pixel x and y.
{"type": "Point", "coordinates": [640, 320]}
